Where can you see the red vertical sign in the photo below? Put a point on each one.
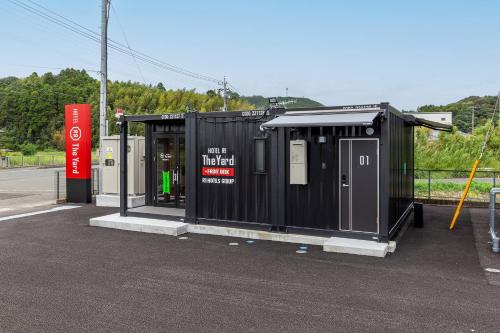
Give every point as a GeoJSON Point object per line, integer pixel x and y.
{"type": "Point", "coordinates": [78, 141]}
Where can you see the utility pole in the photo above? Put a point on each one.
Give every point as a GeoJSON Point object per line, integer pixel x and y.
{"type": "Point", "coordinates": [103, 104]}
{"type": "Point", "coordinates": [473, 109]}
{"type": "Point", "coordinates": [224, 87]}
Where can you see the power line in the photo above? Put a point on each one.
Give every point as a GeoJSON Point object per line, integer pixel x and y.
{"type": "Point", "coordinates": [233, 88]}
{"type": "Point", "coordinates": [94, 36]}
{"type": "Point", "coordinates": [55, 68]}
{"type": "Point", "coordinates": [128, 44]}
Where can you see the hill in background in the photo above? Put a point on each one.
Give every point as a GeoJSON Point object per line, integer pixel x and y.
{"type": "Point", "coordinates": [462, 111]}
{"type": "Point", "coordinates": [32, 108]}
{"type": "Point", "coordinates": [262, 102]}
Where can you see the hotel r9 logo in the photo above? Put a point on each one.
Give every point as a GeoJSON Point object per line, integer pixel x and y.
{"type": "Point", "coordinates": [75, 133]}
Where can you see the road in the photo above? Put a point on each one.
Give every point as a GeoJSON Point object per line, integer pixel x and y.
{"type": "Point", "coordinates": [26, 188]}
{"type": "Point", "coordinates": [60, 275]}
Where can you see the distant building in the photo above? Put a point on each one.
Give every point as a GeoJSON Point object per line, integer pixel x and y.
{"type": "Point", "coordinates": [438, 117]}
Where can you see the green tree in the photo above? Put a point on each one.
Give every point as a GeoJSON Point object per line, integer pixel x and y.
{"type": "Point", "coordinates": [32, 108]}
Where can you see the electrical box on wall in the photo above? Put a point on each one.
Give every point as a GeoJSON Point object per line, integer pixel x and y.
{"type": "Point", "coordinates": [136, 165]}
{"type": "Point", "coordinates": [298, 162]}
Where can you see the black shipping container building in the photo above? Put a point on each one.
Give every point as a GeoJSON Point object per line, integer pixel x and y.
{"type": "Point", "coordinates": [343, 171]}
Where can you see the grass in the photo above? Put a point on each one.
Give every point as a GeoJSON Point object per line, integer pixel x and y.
{"type": "Point", "coordinates": [482, 187]}
{"type": "Point", "coordinates": [452, 190]}
{"type": "Point", "coordinates": [42, 158]}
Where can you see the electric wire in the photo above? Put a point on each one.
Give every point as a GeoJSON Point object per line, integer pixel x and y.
{"type": "Point", "coordinates": [491, 127]}
{"type": "Point", "coordinates": [128, 44]}
{"type": "Point", "coordinates": [55, 68]}
{"type": "Point", "coordinates": [233, 88]}
{"type": "Point", "coordinates": [94, 36]}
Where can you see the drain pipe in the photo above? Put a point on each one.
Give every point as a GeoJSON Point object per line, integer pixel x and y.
{"type": "Point", "coordinates": [495, 241]}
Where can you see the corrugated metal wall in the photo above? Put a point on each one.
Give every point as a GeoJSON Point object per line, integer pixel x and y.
{"type": "Point", "coordinates": [315, 205]}
{"type": "Point", "coordinates": [247, 199]}
{"type": "Point", "coordinates": [401, 168]}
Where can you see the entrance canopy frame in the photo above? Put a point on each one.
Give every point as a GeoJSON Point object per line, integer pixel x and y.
{"type": "Point", "coordinates": [123, 122]}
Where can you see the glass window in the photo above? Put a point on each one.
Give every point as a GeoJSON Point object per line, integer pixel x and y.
{"type": "Point", "coordinates": [260, 155]}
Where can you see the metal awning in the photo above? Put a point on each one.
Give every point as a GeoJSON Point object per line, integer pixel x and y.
{"type": "Point", "coordinates": [412, 120]}
{"type": "Point", "coordinates": [318, 120]}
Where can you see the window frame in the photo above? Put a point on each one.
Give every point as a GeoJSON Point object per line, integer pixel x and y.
{"type": "Point", "coordinates": [264, 170]}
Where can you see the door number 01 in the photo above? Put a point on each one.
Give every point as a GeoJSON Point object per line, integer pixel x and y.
{"type": "Point", "coordinates": [364, 160]}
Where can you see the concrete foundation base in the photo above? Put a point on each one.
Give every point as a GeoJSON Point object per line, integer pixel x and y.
{"type": "Point", "coordinates": [152, 226]}
{"type": "Point", "coordinates": [356, 246]}
{"type": "Point", "coordinates": [113, 200]}
{"type": "Point", "coordinates": [174, 228]}
{"type": "Point", "coordinates": [256, 234]}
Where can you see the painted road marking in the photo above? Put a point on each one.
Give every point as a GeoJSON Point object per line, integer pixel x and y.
{"type": "Point", "coordinates": [492, 270]}
{"type": "Point", "coordinates": [55, 209]}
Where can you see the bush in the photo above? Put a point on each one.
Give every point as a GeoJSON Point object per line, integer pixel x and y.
{"type": "Point", "coordinates": [59, 139]}
{"type": "Point", "coordinates": [28, 149]}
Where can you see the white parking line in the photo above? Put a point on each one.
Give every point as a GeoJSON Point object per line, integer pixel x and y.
{"type": "Point", "coordinates": [55, 209]}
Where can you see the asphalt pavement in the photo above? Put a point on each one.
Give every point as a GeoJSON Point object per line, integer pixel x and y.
{"type": "Point", "coordinates": [22, 188]}
{"type": "Point", "coordinates": [58, 274]}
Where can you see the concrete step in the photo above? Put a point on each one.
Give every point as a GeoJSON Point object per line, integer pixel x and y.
{"type": "Point", "coordinates": [174, 228]}
{"type": "Point", "coordinates": [256, 234]}
{"type": "Point", "coordinates": [357, 246]}
{"type": "Point", "coordinates": [140, 224]}
{"type": "Point", "coordinates": [113, 200]}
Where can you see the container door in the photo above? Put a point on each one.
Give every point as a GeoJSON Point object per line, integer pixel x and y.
{"type": "Point", "coordinates": [345, 183]}
{"type": "Point", "coordinates": [166, 168]}
{"type": "Point", "coordinates": [359, 183]}
{"type": "Point", "coordinates": [170, 171]}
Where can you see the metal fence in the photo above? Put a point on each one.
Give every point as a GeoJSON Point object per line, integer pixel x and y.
{"type": "Point", "coordinates": [429, 184]}
{"type": "Point", "coordinates": [449, 184]}
{"type": "Point", "coordinates": [60, 183]}
{"type": "Point", "coordinates": [19, 161]}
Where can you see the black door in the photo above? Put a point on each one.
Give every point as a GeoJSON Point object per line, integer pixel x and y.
{"type": "Point", "coordinates": [358, 172]}
{"type": "Point", "coordinates": [170, 171]}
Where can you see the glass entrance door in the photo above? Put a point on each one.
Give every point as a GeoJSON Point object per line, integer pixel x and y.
{"type": "Point", "coordinates": [170, 173]}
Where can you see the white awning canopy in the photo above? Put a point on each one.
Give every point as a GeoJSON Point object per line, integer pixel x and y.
{"type": "Point", "coordinates": [318, 120]}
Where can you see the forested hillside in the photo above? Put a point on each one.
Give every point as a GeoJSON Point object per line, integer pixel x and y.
{"type": "Point", "coordinates": [462, 111]}
{"type": "Point", "coordinates": [32, 113]}
{"type": "Point", "coordinates": [262, 102]}
{"type": "Point", "coordinates": [32, 108]}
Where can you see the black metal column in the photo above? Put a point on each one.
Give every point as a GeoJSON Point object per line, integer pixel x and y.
{"type": "Point", "coordinates": [149, 164]}
{"type": "Point", "coordinates": [385, 176]}
{"type": "Point", "coordinates": [278, 179]}
{"type": "Point", "coordinates": [123, 166]}
{"type": "Point", "coordinates": [191, 165]}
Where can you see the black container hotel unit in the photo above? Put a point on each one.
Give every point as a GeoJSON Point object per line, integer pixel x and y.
{"type": "Point", "coordinates": [342, 171]}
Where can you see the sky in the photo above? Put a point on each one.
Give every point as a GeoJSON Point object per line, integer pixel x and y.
{"type": "Point", "coordinates": [408, 53]}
